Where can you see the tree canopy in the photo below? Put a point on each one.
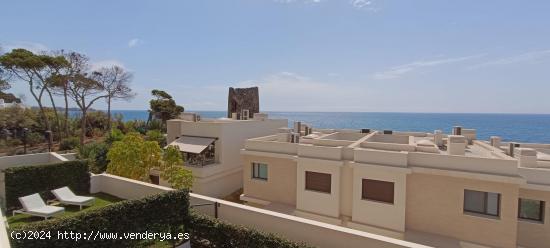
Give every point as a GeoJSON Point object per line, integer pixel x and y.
{"type": "Point", "coordinates": [35, 70]}
{"type": "Point", "coordinates": [163, 107]}
{"type": "Point", "coordinates": [133, 157]}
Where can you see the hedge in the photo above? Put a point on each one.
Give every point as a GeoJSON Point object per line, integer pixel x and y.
{"type": "Point", "coordinates": [207, 232]}
{"type": "Point", "coordinates": [165, 212]}
{"type": "Point", "coordinates": [26, 180]}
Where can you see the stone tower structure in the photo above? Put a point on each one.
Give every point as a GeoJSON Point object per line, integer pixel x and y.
{"type": "Point", "coordinates": [240, 99]}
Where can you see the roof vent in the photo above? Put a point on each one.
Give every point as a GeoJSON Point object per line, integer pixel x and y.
{"type": "Point", "coordinates": [294, 138]}
{"type": "Point", "coordinates": [456, 145]}
{"type": "Point", "coordinates": [365, 130]}
{"type": "Point", "coordinates": [495, 141]}
{"type": "Point", "coordinates": [457, 130]}
{"type": "Point", "coordinates": [470, 134]}
{"type": "Point", "coordinates": [438, 138]}
{"type": "Point", "coordinates": [307, 130]}
{"type": "Point", "coordinates": [297, 127]}
{"type": "Point", "coordinates": [245, 114]}
{"type": "Point", "coordinates": [511, 148]}
{"type": "Point", "coordinates": [527, 157]}
{"type": "Point", "coordinates": [388, 132]}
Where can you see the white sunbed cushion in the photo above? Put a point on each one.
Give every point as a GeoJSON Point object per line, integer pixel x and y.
{"type": "Point", "coordinates": [46, 210]}
{"type": "Point", "coordinates": [63, 193]}
{"type": "Point", "coordinates": [78, 199]}
{"type": "Point", "coordinates": [32, 202]}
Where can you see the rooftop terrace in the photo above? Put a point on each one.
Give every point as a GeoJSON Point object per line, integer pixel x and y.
{"type": "Point", "coordinates": [459, 151]}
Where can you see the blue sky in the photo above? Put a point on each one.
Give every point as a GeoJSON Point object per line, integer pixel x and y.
{"type": "Point", "coordinates": [307, 55]}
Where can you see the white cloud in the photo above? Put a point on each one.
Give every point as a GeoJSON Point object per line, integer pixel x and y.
{"type": "Point", "coordinates": [364, 5]}
{"type": "Point", "coordinates": [31, 46]}
{"type": "Point", "coordinates": [294, 1]}
{"type": "Point", "coordinates": [400, 70]}
{"type": "Point", "coordinates": [134, 42]}
{"type": "Point", "coordinates": [533, 56]}
{"type": "Point", "coordinates": [96, 65]}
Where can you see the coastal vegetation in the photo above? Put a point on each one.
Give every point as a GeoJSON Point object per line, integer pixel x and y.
{"type": "Point", "coordinates": [126, 148]}
{"type": "Point", "coordinates": [70, 76]}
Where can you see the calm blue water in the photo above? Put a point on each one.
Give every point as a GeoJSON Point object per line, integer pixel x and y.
{"type": "Point", "coordinates": [518, 127]}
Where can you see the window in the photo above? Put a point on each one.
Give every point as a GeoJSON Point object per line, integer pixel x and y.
{"type": "Point", "coordinates": [318, 181]}
{"type": "Point", "coordinates": [259, 171]}
{"type": "Point", "coordinates": [377, 190]}
{"type": "Point", "coordinates": [478, 202]}
{"type": "Point", "coordinates": [531, 210]}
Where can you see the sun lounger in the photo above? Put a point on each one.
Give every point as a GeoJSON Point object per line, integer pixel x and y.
{"type": "Point", "coordinates": [66, 196]}
{"type": "Point", "coordinates": [34, 205]}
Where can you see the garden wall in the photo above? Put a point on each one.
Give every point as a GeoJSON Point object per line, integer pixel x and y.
{"type": "Point", "coordinates": [27, 180]}
{"type": "Point", "coordinates": [294, 228]}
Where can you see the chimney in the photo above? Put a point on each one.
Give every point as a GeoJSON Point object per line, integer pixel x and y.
{"type": "Point", "coordinates": [457, 130]}
{"type": "Point", "coordinates": [456, 145]}
{"type": "Point", "coordinates": [297, 127]}
{"type": "Point", "coordinates": [527, 157]}
{"type": "Point", "coordinates": [470, 134]}
{"type": "Point", "coordinates": [294, 137]}
{"type": "Point", "coordinates": [438, 138]}
{"type": "Point", "coordinates": [511, 148]}
{"type": "Point", "coordinates": [495, 141]}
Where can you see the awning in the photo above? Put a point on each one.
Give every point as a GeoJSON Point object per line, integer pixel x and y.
{"type": "Point", "coordinates": [192, 144]}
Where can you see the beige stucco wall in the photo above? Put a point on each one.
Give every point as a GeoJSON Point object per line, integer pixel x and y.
{"type": "Point", "coordinates": [319, 202]}
{"type": "Point", "coordinates": [534, 234]}
{"type": "Point", "coordinates": [280, 185]}
{"type": "Point", "coordinates": [435, 205]}
{"type": "Point", "coordinates": [346, 190]}
{"type": "Point", "coordinates": [380, 214]}
{"type": "Point", "coordinates": [294, 228]}
{"type": "Point", "coordinates": [224, 177]}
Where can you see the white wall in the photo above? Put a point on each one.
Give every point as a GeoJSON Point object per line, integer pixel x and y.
{"type": "Point", "coordinates": [291, 227]}
{"type": "Point", "coordinates": [224, 177]}
{"type": "Point", "coordinates": [4, 238]}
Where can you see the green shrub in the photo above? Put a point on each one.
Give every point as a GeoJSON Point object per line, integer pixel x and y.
{"type": "Point", "coordinates": [165, 212]}
{"type": "Point", "coordinates": [69, 143]}
{"type": "Point", "coordinates": [114, 135]}
{"type": "Point", "coordinates": [154, 125]}
{"type": "Point", "coordinates": [207, 232]}
{"type": "Point", "coordinates": [26, 180]}
{"type": "Point", "coordinates": [35, 138]}
{"type": "Point", "coordinates": [96, 154]}
{"type": "Point", "coordinates": [135, 126]}
{"type": "Point", "coordinates": [156, 135]}
{"type": "Point", "coordinates": [14, 142]}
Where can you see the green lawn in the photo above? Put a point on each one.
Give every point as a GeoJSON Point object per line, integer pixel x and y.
{"type": "Point", "coordinates": [101, 200]}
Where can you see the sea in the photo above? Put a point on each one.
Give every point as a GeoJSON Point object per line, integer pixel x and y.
{"type": "Point", "coordinates": [532, 128]}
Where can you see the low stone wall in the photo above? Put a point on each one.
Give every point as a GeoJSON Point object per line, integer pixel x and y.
{"type": "Point", "coordinates": [292, 227]}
